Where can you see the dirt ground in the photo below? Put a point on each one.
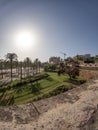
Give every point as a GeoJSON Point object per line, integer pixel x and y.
{"type": "Point", "coordinates": [88, 74]}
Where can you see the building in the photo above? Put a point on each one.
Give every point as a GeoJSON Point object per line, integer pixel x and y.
{"type": "Point", "coordinates": [96, 58]}
{"type": "Point", "coordinates": [86, 57]}
{"type": "Point", "coordinates": [54, 60]}
{"type": "Point", "coordinates": [83, 57]}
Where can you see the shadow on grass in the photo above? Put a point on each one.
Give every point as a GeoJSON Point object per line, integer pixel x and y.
{"type": "Point", "coordinates": [35, 88]}
{"type": "Point", "coordinates": [6, 102]}
{"type": "Point", "coordinates": [18, 90]}
{"type": "Point", "coordinates": [49, 79]}
{"type": "Point", "coordinates": [60, 89]}
{"type": "Point", "coordinates": [75, 81]}
{"type": "Point", "coordinates": [11, 100]}
{"type": "Point", "coordinates": [20, 96]}
{"type": "Point", "coordinates": [2, 96]}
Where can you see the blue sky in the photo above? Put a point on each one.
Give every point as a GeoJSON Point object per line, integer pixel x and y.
{"type": "Point", "coordinates": [69, 26]}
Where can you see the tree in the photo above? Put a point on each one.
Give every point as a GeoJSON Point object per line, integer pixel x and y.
{"type": "Point", "coordinates": [71, 68]}
{"type": "Point", "coordinates": [50, 67]}
{"type": "Point", "coordinates": [21, 65]}
{"type": "Point", "coordinates": [28, 63]}
{"type": "Point", "coordinates": [24, 68]}
{"type": "Point", "coordinates": [36, 65]}
{"type": "Point", "coordinates": [1, 67]}
{"type": "Point", "coordinates": [11, 57]}
{"type": "Point", "coordinates": [61, 68]}
{"type": "Point", "coordinates": [39, 65]}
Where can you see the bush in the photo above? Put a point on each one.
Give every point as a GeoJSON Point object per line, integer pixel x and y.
{"type": "Point", "coordinates": [50, 68]}
{"type": "Point", "coordinates": [77, 81]}
{"type": "Point", "coordinates": [82, 81]}
{"type": "Point", "coordinates": [35, 88]}
{"type": "Point", "coordinates": [56, 91]}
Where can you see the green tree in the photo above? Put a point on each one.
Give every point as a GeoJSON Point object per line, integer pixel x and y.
{"type": "Point", "coordinates": [36, 65]}
{"type": "Point", "coordinates": [71, 68]}
{"type": "Point", "coordinates": [28, 63]}
{"type": "Point", "coordinates": [1, 67]}
{"type": "Point", "coordinates": [21, 70]}
{"type": "Point", "coordinates": [11, 57]}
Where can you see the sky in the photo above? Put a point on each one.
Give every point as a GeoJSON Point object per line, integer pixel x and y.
{"type": "Point", "coordinates": [68, 26]}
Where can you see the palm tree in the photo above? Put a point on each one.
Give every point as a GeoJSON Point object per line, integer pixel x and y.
{"type": "Point", "coordinates": [33, 68]}
{"type": "Point", "coordinates": [11, 57]}
{"type": "Point", "coordinates": [39, 65]}
{"type": "Point", "coordinates": [21, 65]}
{"type": "Point", "coordinates": [28, 62]}
{"type": "Point", "coordinates": [36, 65]}
{"type": "Point", "coordinates": [24, 68]}
{"type": "Point", "coordinates": [1, 67]}
{"type": "Point", "coordinates": [17, 68]}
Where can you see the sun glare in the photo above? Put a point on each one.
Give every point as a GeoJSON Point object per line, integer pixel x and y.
{"type": "Point", "coordinates": [25, 39]}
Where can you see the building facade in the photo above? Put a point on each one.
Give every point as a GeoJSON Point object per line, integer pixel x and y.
{"type": "Point", "coordinates": [54, 60]}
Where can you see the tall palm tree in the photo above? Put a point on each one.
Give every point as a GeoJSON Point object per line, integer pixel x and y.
{"type": "Point", "coordinates": [1, 67]}
{"type": "Point", "coordinates": [36, 65]}
{"type": "Point", "coordinates": [21, 65]}
{"type": "Point", "coordinates": [39, 66]}
{"type": "Point", "coordinates": [24, 68]}
{"type": "Point", "coordinates": [17, 68]}
{"type": "Point", "coordinates": [28, 63]}
{"type": "Point", "coordinates": [33, 68]}
{"type": "Point", "coordinates": [11, 57]}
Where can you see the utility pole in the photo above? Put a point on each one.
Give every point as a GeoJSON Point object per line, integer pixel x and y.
{"type": "Point", "coordinates": [64, 55]}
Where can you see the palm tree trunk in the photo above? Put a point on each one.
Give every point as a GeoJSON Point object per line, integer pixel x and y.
{"type": "Point", "coordinates": [1, 71]}
{"type": "Point", "coordinates": [39, 67]}
{"type": "Point", "coordinates": [11, 70]}
{"type": "Point", "coordinates": [36, 68]}
{"type": "Point", "coordinates": [21, 70]}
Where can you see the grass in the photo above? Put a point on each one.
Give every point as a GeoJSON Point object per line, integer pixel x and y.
{"type": "Point", "coordinates": [37, 87]}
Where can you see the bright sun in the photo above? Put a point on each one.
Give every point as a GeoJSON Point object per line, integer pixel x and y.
{"type": "Point", "coordinates": [25, 39]}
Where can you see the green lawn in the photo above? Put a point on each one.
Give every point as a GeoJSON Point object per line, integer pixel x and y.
{"type": "Point", "coordinates": [19, 92]}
